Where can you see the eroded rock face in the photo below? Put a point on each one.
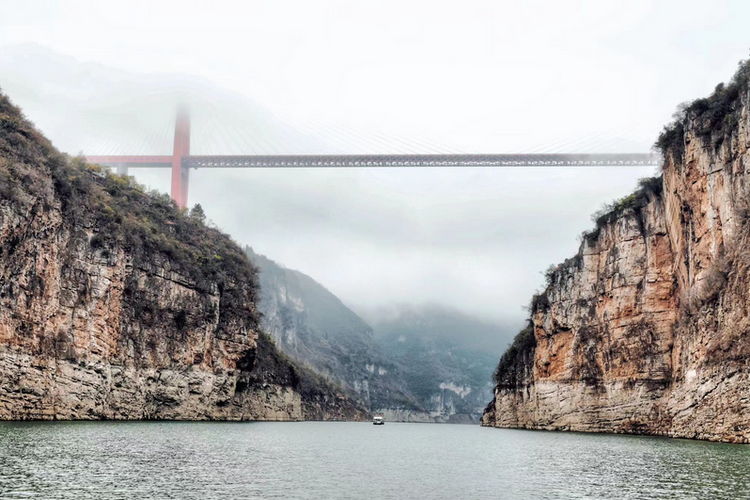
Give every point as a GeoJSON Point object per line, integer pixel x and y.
{"type": "Point", "coordinates": [93, 326]}
{"type": "Point", "coordinates": [646, 330]}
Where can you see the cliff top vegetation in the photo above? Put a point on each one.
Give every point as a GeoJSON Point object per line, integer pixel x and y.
{"type": "Point", "coordinates": [609, 212]}
{"type": "Point", "coordinates": [121, 213]}
{"type": "Point", "coordinates": [714, 116]}
{"type": "Point", "coordinates": [512, 361]}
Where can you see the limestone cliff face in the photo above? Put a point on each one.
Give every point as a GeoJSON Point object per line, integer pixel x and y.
{"type": "Point", "coordinates": [114, 305]}
{"type": "Point", "coordinates": [646, 329]}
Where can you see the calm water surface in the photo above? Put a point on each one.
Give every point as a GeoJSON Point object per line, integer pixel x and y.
{"type": "Point", "coordinates": [315, 460]}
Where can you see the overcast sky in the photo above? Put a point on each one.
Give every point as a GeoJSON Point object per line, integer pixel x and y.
{"type": "Point", "coordinates": [349, 76]}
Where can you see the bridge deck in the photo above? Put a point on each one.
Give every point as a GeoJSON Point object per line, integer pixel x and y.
{"type": "Point", "coordinates": [334, 161]}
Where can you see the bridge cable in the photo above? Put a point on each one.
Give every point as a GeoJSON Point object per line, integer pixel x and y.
{"type": "Point", "coordinates": [311, 140]}
{"type": "Point", "coordinates": [411, 145]}
{"type": "Point", "coordinates": [325, 143]}
{"type": "Point", "coordinates": [336, 138]}
{"type": "Point", "coordinates": [561, 143]}
{"type": "Point", "coordinates": [244, 139]}
{"type": "Point", "coordinates": [373, 141]}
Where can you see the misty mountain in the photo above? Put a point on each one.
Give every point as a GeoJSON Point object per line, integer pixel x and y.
{"type": "Point", "coordinates": [445, 325]}
{"type": "Point", "coordinates": [447, 357]}
{"type": "Point", "coordinates": [314, 327]}
{"type": "Point", "coordinates": [426, 364]}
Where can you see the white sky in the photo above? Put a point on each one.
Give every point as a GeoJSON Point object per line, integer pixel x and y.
{"type": "Point", "coordinates": [493, 76]}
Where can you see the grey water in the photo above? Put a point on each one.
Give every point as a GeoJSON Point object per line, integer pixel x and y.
{"type": "Point", "coordinates": [319, 460]}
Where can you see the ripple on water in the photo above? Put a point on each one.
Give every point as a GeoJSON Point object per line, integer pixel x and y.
{"type": "Point", "coordinates": [318, 460]}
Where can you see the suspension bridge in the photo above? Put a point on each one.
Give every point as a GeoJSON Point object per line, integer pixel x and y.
{"type": "Point", "coordinates": [181, 161]}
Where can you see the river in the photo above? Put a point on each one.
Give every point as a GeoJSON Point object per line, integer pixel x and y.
{"type": "Point", "coordinates": [320, 460]}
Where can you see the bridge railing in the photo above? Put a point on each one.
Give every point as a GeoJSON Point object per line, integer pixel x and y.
{"type": "Point", "coordinates": [461, 160]}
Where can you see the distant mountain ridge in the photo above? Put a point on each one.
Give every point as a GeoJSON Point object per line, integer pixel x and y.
{"type": "Point", "coordinates": [429, 364]}
{"type": "Point", "coordinates": [314, 327]}
{"type": "Point", "coordinates": [447, 358]}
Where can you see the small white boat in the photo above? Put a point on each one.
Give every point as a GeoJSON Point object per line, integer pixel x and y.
{"type": "Point", "coordinates": [378, 420]}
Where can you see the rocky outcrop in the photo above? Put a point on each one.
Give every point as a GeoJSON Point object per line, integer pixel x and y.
{"type": "Point", "coordinates": [115, 305]}
{"type": "Point", "coordinates": [645, 330]}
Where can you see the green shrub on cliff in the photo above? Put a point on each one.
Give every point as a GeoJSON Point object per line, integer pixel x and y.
{"type": "Point", "coordinates": [515, 359]}
{"type": "Point", "coordinates": [197, 213]}
{"type": "Point", "coordinates": [714, 116]}
{"type": "Point", "coordinates": [609, 212]}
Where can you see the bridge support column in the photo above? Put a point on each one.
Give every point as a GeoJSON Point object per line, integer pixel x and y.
{"type": "Point", "coordinates": [180, 174]}
{"type": "Point", "coordinates": [122, 169]}
{"type": "Point", "coordinates": [184, 182]}
{"type": "Point", "coordinates": [177, 192]}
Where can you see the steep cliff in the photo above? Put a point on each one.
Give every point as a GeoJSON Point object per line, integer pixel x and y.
{"type": "Point", "coordinates": [115, 305]}
{"type": "Point", "coordinates": [645, 330]}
